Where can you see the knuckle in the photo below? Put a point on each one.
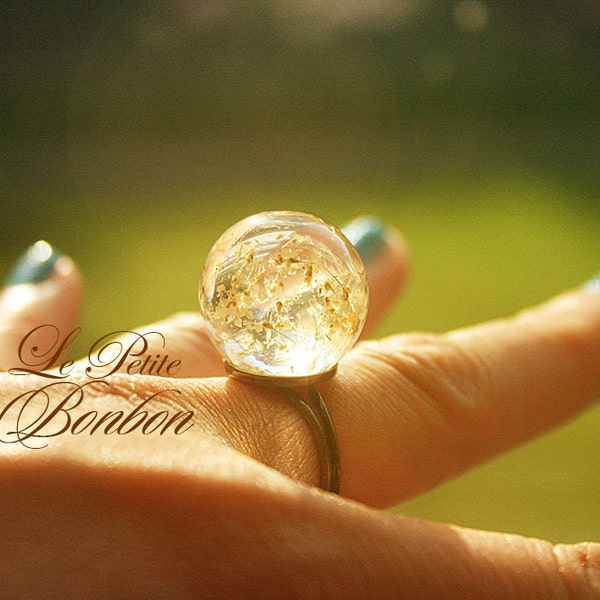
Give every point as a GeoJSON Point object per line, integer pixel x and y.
{"type": "Point", "coordinates": [445, 383]}
{"type": "Point", "coordinates": [452, 377]}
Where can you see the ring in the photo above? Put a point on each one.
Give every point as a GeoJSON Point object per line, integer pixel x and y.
{"type": "Point", "coordinates": [285, 296]}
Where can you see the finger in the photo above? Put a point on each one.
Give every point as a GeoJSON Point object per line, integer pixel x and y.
{"type": "Point", "coordinates": [252, 534]}
{"type": "Point", "coordinates": [179, 346]}
{"type": "Point", "coordinates": [387, 264]}
{"type": "Point", "coordinates": [352, 551]}
{"type": "Point", "coordinates": [185, 336]}
{"type": "Point", "coordinates": [42, 293]}
{"type": "Point", "coordinates": [413, 411]}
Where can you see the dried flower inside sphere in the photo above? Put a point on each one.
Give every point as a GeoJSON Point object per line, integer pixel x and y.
{"type": "Point", "coordinates": [284, 295]}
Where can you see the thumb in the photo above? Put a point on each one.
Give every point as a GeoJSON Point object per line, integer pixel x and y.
{"type": "Point", "coordinates": [40, 300]}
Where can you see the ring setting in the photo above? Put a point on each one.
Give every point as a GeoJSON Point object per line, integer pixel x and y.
{"type": "Point", "coordinates": [285, 296]}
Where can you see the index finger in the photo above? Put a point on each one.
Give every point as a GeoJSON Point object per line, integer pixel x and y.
{"type": "Point", "coordinates": [414, 410]}
{"type": "Point", "coordinates": [426, 408]}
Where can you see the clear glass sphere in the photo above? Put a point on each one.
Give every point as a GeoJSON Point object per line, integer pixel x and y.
{"type": "Point", "coordinates": [284, 294]}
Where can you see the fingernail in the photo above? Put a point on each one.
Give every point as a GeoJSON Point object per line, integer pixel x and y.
{"type": "Point", "coordinates": [594, 284]}
{"type": "Point", "coordinates": [35, 265]}
{"type": "Point", "coordinates": [368, 236]}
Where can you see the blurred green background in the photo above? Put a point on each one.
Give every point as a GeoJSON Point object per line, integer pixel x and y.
{"type": "Point", "coordinates": [134, 133]}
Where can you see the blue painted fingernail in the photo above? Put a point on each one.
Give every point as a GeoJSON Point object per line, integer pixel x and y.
{"type": "Point", "coordinates": [594, 284]}
{"type": "Point", "coordinates": [368, 236]}
{"type": "Point", "coordinates": [34, 265]}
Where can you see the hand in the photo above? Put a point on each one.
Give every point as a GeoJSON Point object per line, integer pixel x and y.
{"type": "Point", "coordinates": [221, 510]}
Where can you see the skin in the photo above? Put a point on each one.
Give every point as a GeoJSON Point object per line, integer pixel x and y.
{"type": "Point", "coordinates": [229, 508]}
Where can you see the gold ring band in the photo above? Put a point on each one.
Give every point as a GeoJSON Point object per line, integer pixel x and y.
{"type": "Point", "coordinates": [301, 391]}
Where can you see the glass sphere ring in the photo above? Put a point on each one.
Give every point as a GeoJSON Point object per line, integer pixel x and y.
{"type": "Point", "coordinates": [285, 296]}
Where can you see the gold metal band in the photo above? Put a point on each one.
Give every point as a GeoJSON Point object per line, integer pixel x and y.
{"type": "Point", "coordinates": [302, 392]}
